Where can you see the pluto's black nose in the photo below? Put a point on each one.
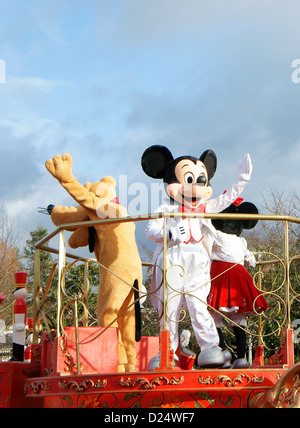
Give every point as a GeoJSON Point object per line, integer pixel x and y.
{"type": "Point", "coordinates": [50, 208]}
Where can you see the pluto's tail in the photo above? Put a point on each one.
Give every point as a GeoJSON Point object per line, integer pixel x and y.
{"type": "Point", "coordinates": [137, 307]}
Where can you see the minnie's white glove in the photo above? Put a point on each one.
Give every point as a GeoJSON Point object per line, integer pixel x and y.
{"type": "Point", "coordinates": [250, 259]}
{"type": "Point", "coordinates": [245, 168]}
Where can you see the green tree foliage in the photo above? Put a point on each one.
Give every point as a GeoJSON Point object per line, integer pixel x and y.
{"type": "Point", "coordinates": [46, 261]}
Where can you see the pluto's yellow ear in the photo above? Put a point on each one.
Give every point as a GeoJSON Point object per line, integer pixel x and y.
{"type": "Point", "coordinates": [98, 187]}
{"type": "Point", "coordinates": [109, 180]}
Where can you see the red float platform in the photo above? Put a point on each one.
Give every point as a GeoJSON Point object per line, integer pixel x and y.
{"type": "Point", "coordinates": [177, 389]}
{"type": "Point", "coordinates": [51, 379]}
{"type": "Point", "coordinates": [13, 377]}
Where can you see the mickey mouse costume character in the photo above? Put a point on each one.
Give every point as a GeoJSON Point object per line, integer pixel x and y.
{"type": "Point", "coordinates": [189, 242]}
{"type": "Point", "coordinates": [232, 289]}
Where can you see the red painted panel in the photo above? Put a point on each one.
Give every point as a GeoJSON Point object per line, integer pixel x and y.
{"type": "Point", "coordinates": [147, 348]}
{"type": "Point", "coordinates": [98, 352]}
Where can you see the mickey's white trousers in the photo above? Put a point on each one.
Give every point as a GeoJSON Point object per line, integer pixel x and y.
{"type": "Point", "coordinates": [188, 285]}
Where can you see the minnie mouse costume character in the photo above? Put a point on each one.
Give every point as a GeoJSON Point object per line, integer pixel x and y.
{"type": "Point", "coordinates": [189, 242]}
{"type": "Point", "coordinates": [232, 289]}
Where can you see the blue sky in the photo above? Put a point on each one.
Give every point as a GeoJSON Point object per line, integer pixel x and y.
{"type": "Point", "coordinates": [105, 79]}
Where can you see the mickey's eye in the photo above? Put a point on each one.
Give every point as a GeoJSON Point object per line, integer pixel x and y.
{"type": "Point", "coordinates": [189, 178]}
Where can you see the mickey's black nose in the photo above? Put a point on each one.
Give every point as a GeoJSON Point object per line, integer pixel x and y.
{"type": "Point", "coordinates": [201, 180]}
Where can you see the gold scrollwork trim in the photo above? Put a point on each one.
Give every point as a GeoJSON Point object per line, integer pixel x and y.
{"type": "Point", "coordinates": [290, 397]}
{"type": "Point", "coordinates": [36, 387]}
{"type": "Point", "coordinates": [83, 386]}
{"type": "Point", "coordinates": [236, 381]}
{"type": "Point", "coordinates": [284, 394]}
{"type": "Point", "coordinates": [151, 383]}
{"type": "Point", "coordinates": [69, 361]}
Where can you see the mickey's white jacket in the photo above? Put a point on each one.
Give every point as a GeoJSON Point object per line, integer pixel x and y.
{"type": "Point", "coordinates": [197, 228]}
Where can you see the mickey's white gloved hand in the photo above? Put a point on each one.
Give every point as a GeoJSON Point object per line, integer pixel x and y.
{"type": "Point", "coordinates": [245, 168]}
{"type": "Point", "coordinates": [177, 234]}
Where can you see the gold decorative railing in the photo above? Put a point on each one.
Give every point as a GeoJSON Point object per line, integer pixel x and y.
{"type": "Point", "coordinates": [279, 291]}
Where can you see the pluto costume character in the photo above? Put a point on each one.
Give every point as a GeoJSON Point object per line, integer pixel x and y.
{"type": "Point", "coordinates": [189, 242]}
{"type": "Point", "coordinates": [115, 249]}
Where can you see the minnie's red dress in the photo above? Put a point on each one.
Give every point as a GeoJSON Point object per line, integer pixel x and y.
{"type": "Point", "coordinates": [233, 291]}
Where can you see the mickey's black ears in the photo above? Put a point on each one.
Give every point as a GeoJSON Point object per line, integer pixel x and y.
{"type": "Point", "coordinates": [155, 160]}
{"type": "Point", "coordinates": [209, 159]}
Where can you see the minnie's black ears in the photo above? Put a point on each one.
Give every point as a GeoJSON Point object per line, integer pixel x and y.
{"type": "Point", "coordinates": [243, 208]}
{"type": "Point", "coordinates": [248, 208]}
{"type": "Point", "coordinates": [155, 161]}
{"type": "Point", "coordinates": [236, 226]}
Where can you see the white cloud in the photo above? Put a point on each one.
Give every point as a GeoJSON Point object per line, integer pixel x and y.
{"type": "Point", "coordinates": [34, 84]}
{"type": "Point", "coordinates": [47, 18]}
{"type": "Point", "coordinates": [138, 22]}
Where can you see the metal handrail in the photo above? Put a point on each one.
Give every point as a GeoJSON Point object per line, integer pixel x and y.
{"type": "Point", "coordinates": [229, 216]}
{"type": "Point", "coordinates": [61, 252]}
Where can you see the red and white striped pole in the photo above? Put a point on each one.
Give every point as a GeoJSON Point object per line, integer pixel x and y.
{"type": "Point", "coordinates": [19, 316]}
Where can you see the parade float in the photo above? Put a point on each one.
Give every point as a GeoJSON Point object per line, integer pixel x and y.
{"type": "Point", "coordinates": [77, 366]}
{"type": "Point", "coordinates": [73, 360]}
